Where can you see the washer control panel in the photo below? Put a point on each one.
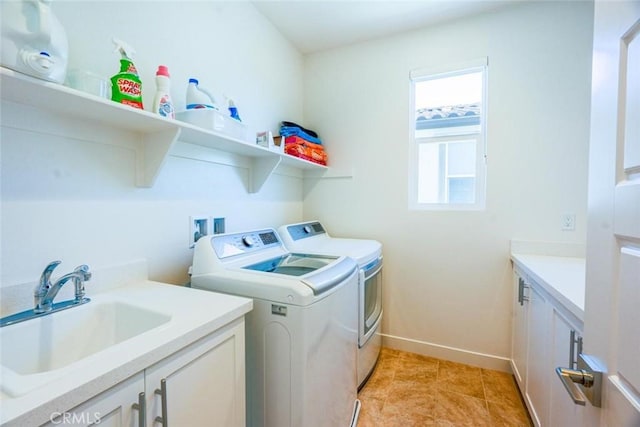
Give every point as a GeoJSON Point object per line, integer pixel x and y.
{"type": "Point", "coordinates": [241, 243]}
{"type": "Point", "coordinates": [302, 231]}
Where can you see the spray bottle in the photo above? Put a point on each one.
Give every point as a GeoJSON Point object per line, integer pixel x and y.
{"type": "Point", "coordinates": [126, 87]}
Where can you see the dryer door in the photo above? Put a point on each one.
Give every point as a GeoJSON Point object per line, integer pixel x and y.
{"type": "Point", "coordinates": [370, 300]}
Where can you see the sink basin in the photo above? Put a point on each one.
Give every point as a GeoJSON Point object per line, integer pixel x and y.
{"type": "Point", "coordinates": [55, 341]}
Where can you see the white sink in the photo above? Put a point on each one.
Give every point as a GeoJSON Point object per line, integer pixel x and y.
{"type": "Point", "coordinates": [32, 349]}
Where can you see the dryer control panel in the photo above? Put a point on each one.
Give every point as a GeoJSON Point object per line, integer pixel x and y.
{"type": "Point", "coordinates": [302, 231]}
{"type": "Point", "coordinates": [227, 245]}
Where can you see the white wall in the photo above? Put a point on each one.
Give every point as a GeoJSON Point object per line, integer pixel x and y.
{"type": "Point", "coordinates": [447, 274]}
{"type": "Point", "coordinates": [69, 199]}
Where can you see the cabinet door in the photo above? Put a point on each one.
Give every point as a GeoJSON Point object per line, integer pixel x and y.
{"type": "Point", "coordinates": [537, 388]}
{"type": "Point", "coordinates": [519, 331]}
{"type": "Point", "coordinates": [111, 408]}
{"type": "Point", "coordinates": [204, 383]}
{"type": "Point", "coordinates": [562, 411]}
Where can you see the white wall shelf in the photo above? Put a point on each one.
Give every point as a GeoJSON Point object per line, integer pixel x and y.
{"type": "Point", "coordinates": [155, 135]}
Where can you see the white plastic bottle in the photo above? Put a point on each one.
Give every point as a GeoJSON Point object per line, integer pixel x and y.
{"type": "Point", "coordinates": [198, 97]}
{"type": "Point", "coordinates": [162, 102]}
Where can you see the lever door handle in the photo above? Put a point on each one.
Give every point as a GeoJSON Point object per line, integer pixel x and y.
{"type": "Point", "coordinates": [571, 377]}
{"type": "Point", "coordinates": [586, 381]}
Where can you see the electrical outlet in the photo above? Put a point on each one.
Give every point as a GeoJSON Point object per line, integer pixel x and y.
{"type": "Point", "coordinates": [198, 227]}
{"type": "Point", "coordinates": [568, 222]}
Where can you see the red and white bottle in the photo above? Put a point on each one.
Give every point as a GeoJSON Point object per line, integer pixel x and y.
{"type": "Point", "coordinates": [162, 103]}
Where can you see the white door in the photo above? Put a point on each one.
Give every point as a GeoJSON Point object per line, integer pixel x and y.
{"type": "Point", "coordinates": [612, 317]}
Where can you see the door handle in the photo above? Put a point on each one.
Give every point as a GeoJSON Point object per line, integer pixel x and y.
{"type": "Point", "coordinates": [571, 377]}
{"type": "Point", "coordinates": [588, 380]}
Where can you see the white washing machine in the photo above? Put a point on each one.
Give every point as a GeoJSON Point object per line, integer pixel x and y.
{"type": "Point", "coordinates": [311, 237]}
{"type": "Point", "coordinates": [301, 335]}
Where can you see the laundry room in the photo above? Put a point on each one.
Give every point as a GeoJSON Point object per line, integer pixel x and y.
{"type": "Point", "coordinates": [140, 201]}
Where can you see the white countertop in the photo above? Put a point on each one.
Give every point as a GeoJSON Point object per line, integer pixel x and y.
{"type": "Point", "coordinates": [194, 314]}
{"type": "Point", "coordinates": [562, 277]}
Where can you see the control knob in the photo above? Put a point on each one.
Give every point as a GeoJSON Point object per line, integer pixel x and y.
{"type": "Point", "coordinates": [307, 229]}
{"type": "Point", "coordinates": [248, 241]}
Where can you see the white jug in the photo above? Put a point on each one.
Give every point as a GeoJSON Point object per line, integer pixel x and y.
{"type": "Point", "coordinates": [33, 40]}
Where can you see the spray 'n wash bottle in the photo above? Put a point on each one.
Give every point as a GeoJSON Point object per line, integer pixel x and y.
{"type": "Point", "coordinates": [126, 87]}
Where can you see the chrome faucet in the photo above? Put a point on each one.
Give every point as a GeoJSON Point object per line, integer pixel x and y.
{"type": "Point", "coordinates": [45, 293]}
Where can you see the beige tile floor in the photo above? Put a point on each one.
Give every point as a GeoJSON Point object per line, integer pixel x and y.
{"type": "Point", "coordinates": [408, 389]}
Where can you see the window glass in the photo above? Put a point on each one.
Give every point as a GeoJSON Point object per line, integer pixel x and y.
{"type": "Point", "coordinates": [448, 148]}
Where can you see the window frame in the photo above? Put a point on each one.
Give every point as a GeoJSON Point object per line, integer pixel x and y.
{"type": "Point", "coordinates": [415, 76]}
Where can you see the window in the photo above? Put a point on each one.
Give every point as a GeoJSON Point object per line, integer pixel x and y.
{"type": "Point", "coordinates": [447, 154]}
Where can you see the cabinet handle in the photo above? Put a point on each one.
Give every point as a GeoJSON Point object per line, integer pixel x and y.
{"type": "Point", "coordinates": [575, 347]}
{"type": "Point", "coordinates": [141, 407]}
{"type": "Point", "coordinates": [572, 348]}
{"type": "Point", "coordinates": [521, 287]}
{"type": "Point", "coordinates": [162, 392]}
{"type": "Point", "coordinates": [579, 345]}
{"type": "Point", "coordinates": [520, 290]}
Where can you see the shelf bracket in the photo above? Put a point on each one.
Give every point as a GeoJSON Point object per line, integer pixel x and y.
{"type": "Point", "coordinates": [261, 170]}
{"type": "Point", "coordinates": [151, 155]}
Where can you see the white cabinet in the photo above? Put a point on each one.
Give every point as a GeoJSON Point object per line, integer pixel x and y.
{"type": "Point", "coordinates": [201, 385]}
{"type": "Point", "coordinates": [542, 339]}
{"type": "Point", "coordinates": [111, 408]}
{"type": "Point", "coordinates": [520, 332]}
{"type": "Point", "coordinates": [529, 349]}
{"type": "Point", "coordinates": [539, 375]}
{"type": "Point", "coordinates": [204, 384]}
{"type": "Point", "coordinates": [565, 348]}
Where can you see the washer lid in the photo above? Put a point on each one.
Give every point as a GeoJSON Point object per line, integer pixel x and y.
{"type": "Point", "coordinates": [293, 264]}
{"type": "Point", "coordinates": [311, 237]}
{"type": "Point", "coordinates": [304, 289]}
{"type": "Point", "coordinates": [318, 272]}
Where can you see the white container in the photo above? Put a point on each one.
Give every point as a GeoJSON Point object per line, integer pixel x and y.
{"type": "Point", "coordinates": [199, 98]}
{"type": "Point", "coordinates": [33, 40]}
{"type": "Point", "coordinates": [162, 103]}
{"type": "Point", "coordinates": [267, 140]}
{"type": "Point", "coordinates": [211, 119]}
{"type": "Point", "coordinates": [89, 82]}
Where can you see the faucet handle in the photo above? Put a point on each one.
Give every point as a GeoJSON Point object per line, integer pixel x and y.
{"type": "Point", "coordinates": [45, 283]}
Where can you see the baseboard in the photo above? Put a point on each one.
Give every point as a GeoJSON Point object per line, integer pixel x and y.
{"type": "Point", "coordinates": [481, 360]}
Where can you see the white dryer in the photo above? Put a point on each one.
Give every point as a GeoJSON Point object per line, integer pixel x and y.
{"type": "Point", "coordinates": [301, 335]}
{"type": "Point", "coordinates": [311, 237]}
